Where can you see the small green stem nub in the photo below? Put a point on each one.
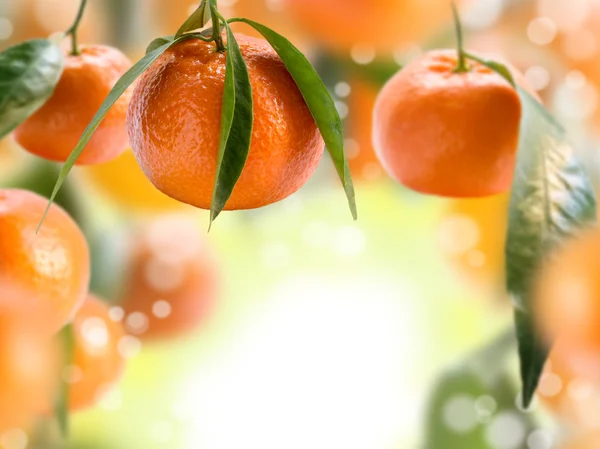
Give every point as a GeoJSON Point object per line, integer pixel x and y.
{"type": "Point", "coordinates": [462, 65]}
{"type": "Point", "coordinates": [216, 26]}
{"type": "Point", "coordinates": [72, 31]}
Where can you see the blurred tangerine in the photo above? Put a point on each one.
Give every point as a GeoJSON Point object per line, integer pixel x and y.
{"type": "Point", "coordinates": [123, 182]}
{"type": "Point", "coordinates": [364, 164]}
{"type": "Point", "coordinates": [97, 361]}
{"type": "Point", "coordinates": [471, 236]}
{"type": "Point", "coordinates": [369, 24]}
{"type": "Point", "coordinates": [28, 360]}
{"type": "Point", "coordinates": [587, 441]}
{"type": "Point", "coordinates": [567, 293]}
{"type": "Point", "coordinates": [42, 18]}
{"type": "Point", "coordinates": [172, 281]}
{"type": "Point", "coordinates": [570, 386]}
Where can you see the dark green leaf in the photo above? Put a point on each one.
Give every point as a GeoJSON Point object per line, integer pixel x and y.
{"type": "Point", "coordinates": [477, 391]}
{"type": "Point", "coordinates": [197, 20]}
{"type": "Point", "coordinates": [119, 88]}
{"type": "Point", "coordinates": [236, 126]}
{"type": "Point", "coordinates": [318, 100]}
{"type": "Point", "coordinates": [29, 73]}
{"type": "Point", "coordinates": [159, 42]}
{"type": "Point", "coordinates": [61, 407]}
{"type": "Point", "coordinates": [551, 199]}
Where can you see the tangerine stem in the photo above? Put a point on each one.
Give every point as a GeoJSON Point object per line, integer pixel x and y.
{"type": "Point", "coordinates": [216, 26]}
{"type": "Point", "coordinates": [73, 28]}
{"type": "Point", "coordinates": [462, 60]}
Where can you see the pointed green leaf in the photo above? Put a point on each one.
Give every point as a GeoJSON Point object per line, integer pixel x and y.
{"type": "Point", "coordinates": [552, 198]}
{"type": "Point", "coordinates": [119, 88]}
{"type": "Point", "coordinates": [159, 42]}
{"type": "Point", "coordinates": [318, 100]}
{"type": "Point", "coordinates": [467, 398]}
{"type": "Point", "coordinates": [197, 20]}
{"type": "Point", "coordinates": [29, 73]}
{"type": "Point", "coordinates": [61, 406]}
{"type": "Point", "coordinates": [236, 126]}
{"type": "Point", "coordinates": [497, 67]}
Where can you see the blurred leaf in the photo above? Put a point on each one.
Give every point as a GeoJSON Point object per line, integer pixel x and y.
{"type": "Point", "coordinates": [236, 126]}
{"type": "Point", "coordinates": [337, 68]}
{"type": "Point", "coordinates": [61, 407]}
{"type": "Point", "coordinates": [197, 20]}
{"type": "Point", "coordinates": [468, 398]}
{"type": "Point", "coordinates": [497, 67]}
{"type": "Point", "coordinates": [551, 199]}
{"type": "Point", "coordinates": [318, 100]}
{"type": "Point", "coordinates": [29, 73]}
{"type": "Point", "coordinates": [119, 88]}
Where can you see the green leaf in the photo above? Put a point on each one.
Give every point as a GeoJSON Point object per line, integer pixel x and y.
{"type": "Point", "coordinates": [159, 42]}
{"type": "Point", "coordinates": [551, 199]}
{"type": "Point", "coordinates": [318, 100]}
{"type": "Point", "coordinates": [61, 406]}
{"type": "Point", "coordinates": [497, 67]}
{"type": "Point", "coordinates": [476, 392]}
{"type": "Point", "coordinates": [119, 88]}
{"type": "Point", "coordinates": [197, 20]}
{"type": "Point", "coordinates": [29, 73]}
{"type": "Point", "coordinates": [236, 126]}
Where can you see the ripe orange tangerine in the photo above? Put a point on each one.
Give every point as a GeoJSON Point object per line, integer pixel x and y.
{"type": "Point", "coordinates": [172, 281]}
{"type": "Point", "coordinates": [445, 133]}
{"type": "Point", "coordinates": [53, 264]}
{"type": "Point", "coordinates": [174, 125]}
{"type": "Point", "coordinates": [54, 130]}
{"type": "Point", "coordinates": [97, 361]}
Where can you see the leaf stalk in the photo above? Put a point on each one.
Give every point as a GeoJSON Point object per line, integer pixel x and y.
{"type": "Point", "coordinates": [72, 31]}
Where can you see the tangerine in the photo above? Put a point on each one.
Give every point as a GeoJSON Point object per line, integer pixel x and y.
{"type": "Point", "coordinates": [54, 130]}
{"type": "Point", "coordinates": [97, 361]}
{"type": "Point", "coordinates": [53, 264]}
{"type": "Point", "coordinates": [446, 133]}
{"type": "Point", "coordinates": [174, 125]}
{"type": "Point", "coordinates": [28, 360]}
{"type": "Point", "coordinates": [172, 282]}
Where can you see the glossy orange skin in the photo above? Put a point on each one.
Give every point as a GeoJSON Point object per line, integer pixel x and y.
{"type": "Point", "coordinates": [29, 373]}
{"type": "Point", "coordinates": [482, 263]}
{"type": "Point", "coordinates": [449, 134]}
{"type": "Point", "coordinates": [171, 262]}
{"type": "Point", "coordinates": [54, 264]}
{"type": "Point", "coordinates": [364, 165]}
{"type": "Point", "coordinates": [567, 296]}
{"type": "Point", "coordinates": [174, 123]}
{"type": "Point", "coordinates": [383, 24]}
{"type": "Point", "coordinates": [123, 182]}
{"type": "Point", "coordinates": [55, 129]}
{"type": "Point", "coordinates": [100, 362]}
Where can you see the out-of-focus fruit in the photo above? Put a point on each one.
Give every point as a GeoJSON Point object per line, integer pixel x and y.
{"type": "Point", "coordinates": [28, 359]}
{"type": "Point", "coordinates": [173, 280]}
{"type": "Point", "coordinates": [123, 182]}
{"type": "Point", "coordinates": [362, 159]}
{"type": "Point", "coordinates": [472, 235]}
{"type": "Point", "coordinates": [380, 24]}
{"type": "Point", "coordinates": [97, 361]}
